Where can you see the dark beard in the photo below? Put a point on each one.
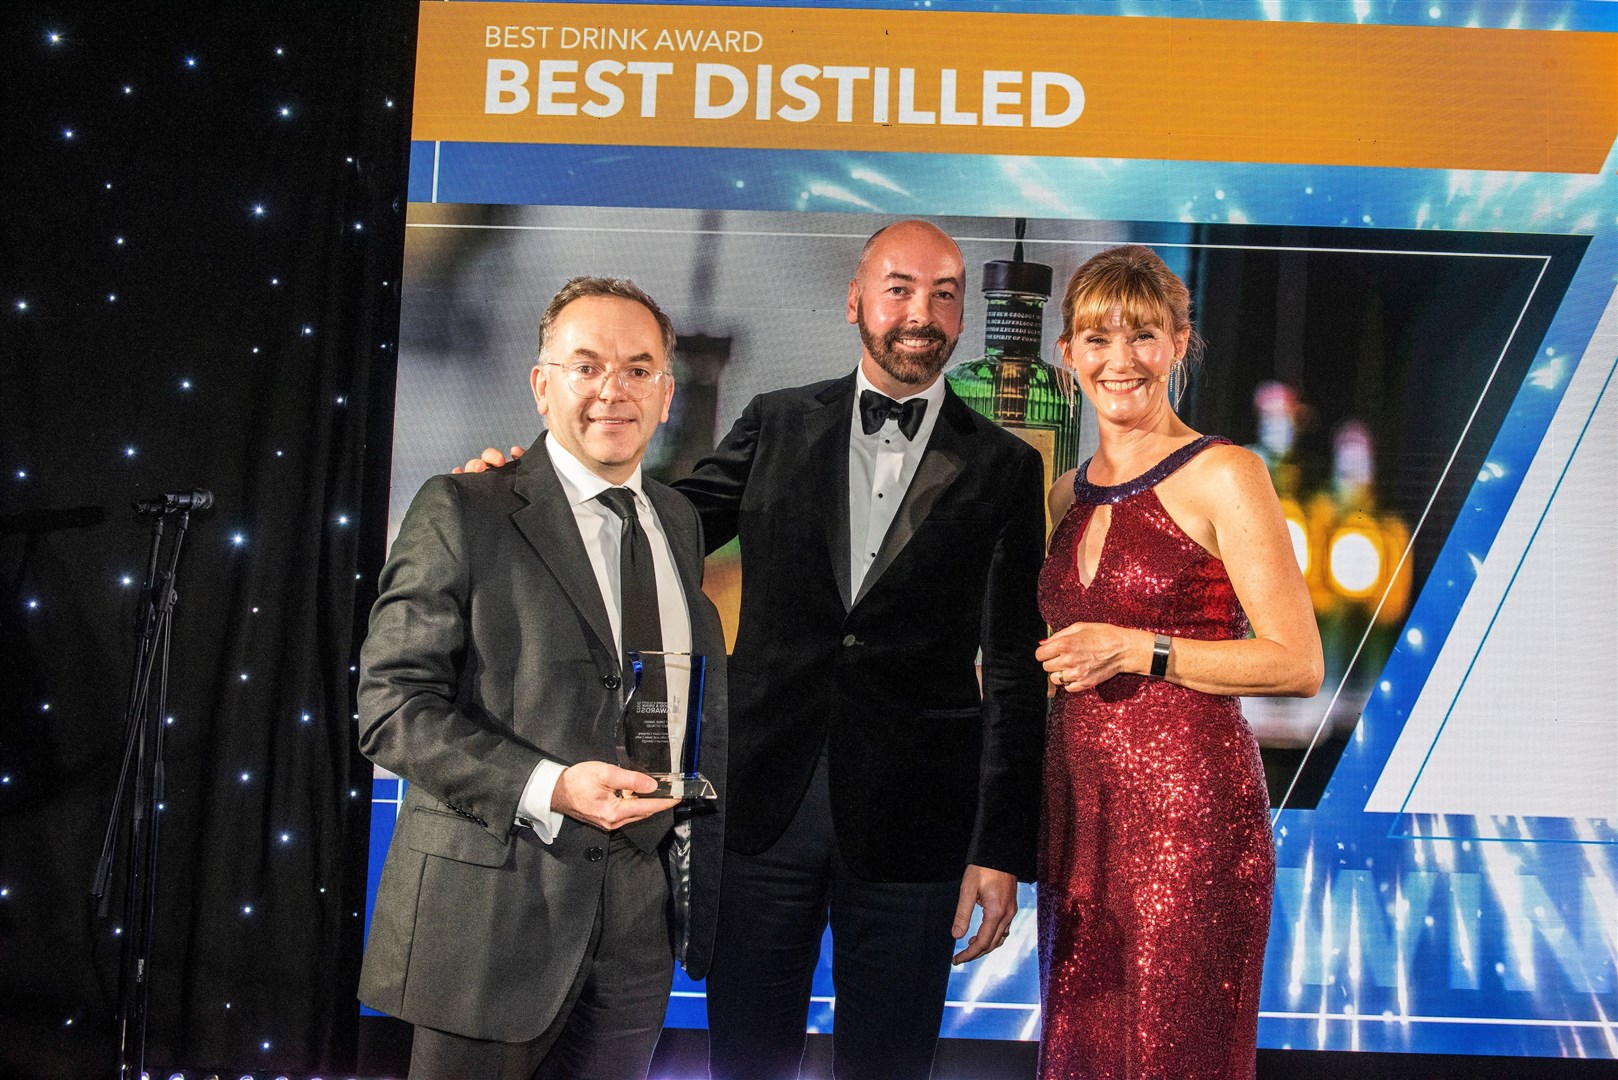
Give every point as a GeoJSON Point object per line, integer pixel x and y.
{"type": "Point", "coordinates": [912, 369]}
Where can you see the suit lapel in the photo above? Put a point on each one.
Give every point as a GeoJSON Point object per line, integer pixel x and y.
{"type": "Point", "coordinates": [684, 543]}
{"type": "Point", "coordinates": [547, 522]}
{"type": "Point", "coordinates": [941, 463]}
{"type": "Point", "coordinates": [825, 429]}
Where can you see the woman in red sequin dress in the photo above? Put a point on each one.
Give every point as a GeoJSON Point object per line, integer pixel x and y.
{"type": "Point", "coordinates": [1156, 857]}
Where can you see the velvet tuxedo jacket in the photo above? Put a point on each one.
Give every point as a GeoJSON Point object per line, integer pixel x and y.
{"type": "Point", "coordinates": [926, 772]}
{"type": "Point", "coordinates": [490, 648]}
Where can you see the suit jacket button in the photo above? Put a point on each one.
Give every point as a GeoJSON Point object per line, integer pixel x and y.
{"type": "Point", "coordinates": [849, 641]}
{"type": "Point", "coordinates": [594, 854]}
{"type": "Point", "coordinates": [611, 682]}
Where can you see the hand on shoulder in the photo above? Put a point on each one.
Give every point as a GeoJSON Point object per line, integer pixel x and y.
{"type": "Point", "coordinates": [489, 459]}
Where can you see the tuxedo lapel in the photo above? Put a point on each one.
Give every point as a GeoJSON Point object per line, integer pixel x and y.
{"type": "Point", "coordinates": [826, 427]}
{"type": "Point", "coordinates": [548, 524]}
{"type": "Point", "coordinates": [943, 461]}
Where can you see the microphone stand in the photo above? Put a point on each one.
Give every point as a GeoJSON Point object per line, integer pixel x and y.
{"type": "Point", "coordinates": [142, 764]}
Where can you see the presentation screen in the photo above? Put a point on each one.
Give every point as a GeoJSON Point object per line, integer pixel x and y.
{"type": "Point", "coordinates": [1399, 226]}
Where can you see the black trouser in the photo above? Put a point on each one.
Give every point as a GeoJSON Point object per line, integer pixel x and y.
{"type": "Point", "coordinates": [891, 948]}
{"type": "Point", "coordinates": [608, 1026]}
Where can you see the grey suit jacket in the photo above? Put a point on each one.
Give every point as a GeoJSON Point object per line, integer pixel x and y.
{"type": "Point", "coordinates": [489, 649]}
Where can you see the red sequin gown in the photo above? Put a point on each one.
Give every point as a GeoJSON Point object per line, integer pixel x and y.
{"type": "Point", "coordinates": [1156, 857]}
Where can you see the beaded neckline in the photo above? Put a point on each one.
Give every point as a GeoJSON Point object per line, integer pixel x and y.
{"type": "Point", "coordinates": [1086, 492]}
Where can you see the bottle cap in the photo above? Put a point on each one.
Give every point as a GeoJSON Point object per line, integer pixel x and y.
{"type": "Point", "coordinates": [1014, 275]}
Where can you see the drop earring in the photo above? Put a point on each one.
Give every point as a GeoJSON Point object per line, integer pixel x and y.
{"type": "Point", "coordinates": [1178, 379]}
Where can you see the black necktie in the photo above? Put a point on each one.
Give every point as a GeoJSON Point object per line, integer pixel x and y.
{"type": "Point", "coordinates": [875, 408]}
{"type": "Point", "coordinates": [640, 623]}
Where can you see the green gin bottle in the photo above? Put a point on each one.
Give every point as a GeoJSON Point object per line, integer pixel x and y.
{"type": "Point", "coordinates": [1010, 384]}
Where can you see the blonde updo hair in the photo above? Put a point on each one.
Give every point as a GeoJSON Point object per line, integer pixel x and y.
{"type": "Point", "coordinates": [1133, 279]}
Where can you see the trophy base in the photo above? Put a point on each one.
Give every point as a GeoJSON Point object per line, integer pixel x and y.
{"type": "Point", "coordinates": [687, 787]}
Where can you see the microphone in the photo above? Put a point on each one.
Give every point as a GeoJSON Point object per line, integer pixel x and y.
{"type": "Point", "coordinates": [171, 502]}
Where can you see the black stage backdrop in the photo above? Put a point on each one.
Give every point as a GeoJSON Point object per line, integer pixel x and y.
{"type": "Point", "coordinates": [201, 224]}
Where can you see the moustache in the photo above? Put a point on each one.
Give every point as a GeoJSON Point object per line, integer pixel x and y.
{"type": "Point", "coordinates": [928, 332]}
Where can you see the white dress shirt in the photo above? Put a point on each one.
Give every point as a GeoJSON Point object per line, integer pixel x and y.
{"type": "Point", "coordinates": [601, 531]}
{"type": "Point", "coordinates": [880, 467]}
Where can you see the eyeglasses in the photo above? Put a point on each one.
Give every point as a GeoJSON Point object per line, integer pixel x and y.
{"type": "Point", "coordinates": [586, 380]}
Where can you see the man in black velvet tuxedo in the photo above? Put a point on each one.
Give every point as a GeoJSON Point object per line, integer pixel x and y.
{"type": "Point", "coordinates": [524, 923]}
{"type": "Point", "coordinates": [889, 537]}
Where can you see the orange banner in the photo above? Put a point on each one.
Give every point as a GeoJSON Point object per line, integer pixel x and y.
{"type": "Point", "coordinates": [994, 83]}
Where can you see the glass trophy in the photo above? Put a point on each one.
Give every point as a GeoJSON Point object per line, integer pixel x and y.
{"type": "Point", "coordinates": [646, 743]}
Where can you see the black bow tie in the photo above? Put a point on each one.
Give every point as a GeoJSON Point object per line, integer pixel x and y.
{"type": "Point", "coordinates": [876, 408]}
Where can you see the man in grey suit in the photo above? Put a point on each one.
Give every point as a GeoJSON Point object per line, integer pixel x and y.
{"type": "Point", "coordinates": [532, 907]}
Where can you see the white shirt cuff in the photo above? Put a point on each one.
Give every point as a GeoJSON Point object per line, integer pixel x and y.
{"type": "Point", "coordinates": [534, 808]}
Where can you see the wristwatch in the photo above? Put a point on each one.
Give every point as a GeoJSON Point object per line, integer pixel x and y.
{"type": "Point", "coordinates": [1160, 655]}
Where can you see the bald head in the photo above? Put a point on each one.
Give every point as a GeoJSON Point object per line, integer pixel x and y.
{"type": "Point", "coordinates": [912, 230]}
{"type": "Point", "coordinates": [906, 299]}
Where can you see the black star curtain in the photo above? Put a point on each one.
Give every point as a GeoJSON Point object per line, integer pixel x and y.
{"type": "Point", "coordinates": [201, 224]}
